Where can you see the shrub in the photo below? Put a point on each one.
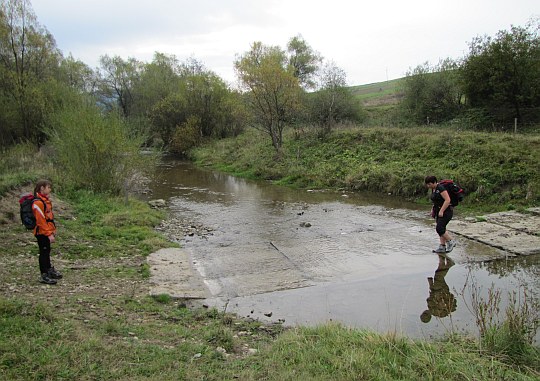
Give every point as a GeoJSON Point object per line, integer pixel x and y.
{"type": "Point", "coordinates": [186, 136]}
{"type": "Point", "coordinates": [94, 151]}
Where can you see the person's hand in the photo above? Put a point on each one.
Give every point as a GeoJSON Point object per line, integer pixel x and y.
{"type": "Point", "coordinates": [51, 238]}
{"type": "Point", "coordinates": [441, 213]}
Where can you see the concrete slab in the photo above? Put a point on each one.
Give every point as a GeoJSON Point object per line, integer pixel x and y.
{"type": "Point", "coordinates": [171, 273]}
{"type": "Point", "coordinates": [528, 223]}
{"type": "Point", "coordinates": [535, 211]}
{"type": "Point", "coordinates": [511, 238]}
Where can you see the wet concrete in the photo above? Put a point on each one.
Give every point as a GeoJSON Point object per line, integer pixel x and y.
{"type": "Point", "coordinates": [513, 232]}
{"type": "Point", "coordinates": [172, 274]}
{"type": "Point", "coordinates": [303, 257]}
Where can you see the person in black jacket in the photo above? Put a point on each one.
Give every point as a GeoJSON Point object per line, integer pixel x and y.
{"type": "Point", "coordinates": [443, 212]}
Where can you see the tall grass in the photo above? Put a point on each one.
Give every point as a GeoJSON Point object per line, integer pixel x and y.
{"type": "Point", "coordinates": [152, 340]}
{"type": "Point", "coordinates": [494, 168]}
{"type": "Point", "coordinates": [22, 164]}
{"type": "Point", "coordinates": [107, 227]}
{"type": "Point", "coordinates": [507, 332]}
{"type": "Point", "coordinates": [334, 352]}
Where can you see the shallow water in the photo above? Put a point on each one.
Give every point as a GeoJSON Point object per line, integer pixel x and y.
{"type": "Point", "coordinates": [307, 257]}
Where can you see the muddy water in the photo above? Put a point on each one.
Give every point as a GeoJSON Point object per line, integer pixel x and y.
{"type": "Point", "coordinates": [308, 257]}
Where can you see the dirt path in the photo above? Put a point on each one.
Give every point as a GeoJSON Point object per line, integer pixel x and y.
{"type": "Point", "coordinates": [91, 289]}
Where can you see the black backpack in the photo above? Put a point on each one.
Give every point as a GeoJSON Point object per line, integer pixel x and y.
{"type": "Point", "coordinates": [27, 216]}
{"type": "Point", "coordinates": [457, 194]}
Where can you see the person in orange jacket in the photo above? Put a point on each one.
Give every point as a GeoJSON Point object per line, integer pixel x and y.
{"type": "Point", "coordinates": [45, 230]}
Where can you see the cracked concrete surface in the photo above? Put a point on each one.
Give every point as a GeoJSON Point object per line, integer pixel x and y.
{"type": "Point", "coordinates": [513, 232]}
{"type": "Point", "coordinates": [172, 274]}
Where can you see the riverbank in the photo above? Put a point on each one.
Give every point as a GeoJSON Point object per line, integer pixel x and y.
{"type": "Point", "coordinates": [499, 171]}
{"type": "Point", "coordinates": [99, 322]}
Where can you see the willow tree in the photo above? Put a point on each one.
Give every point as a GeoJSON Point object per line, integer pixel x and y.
{"type": "Point", "coordinates": [118, 77]}
{"type": "Point", "coordinates": [333, 102]}
{"type": "Point", "coordinates": [432, 94]}
{"type": "Point", "coordinates": [273, 89]}
{"type": "Point", "coordinates": [29, 59]}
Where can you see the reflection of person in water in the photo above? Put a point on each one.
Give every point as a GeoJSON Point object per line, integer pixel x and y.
{"type": "Point", "coordinates": [441, 302]}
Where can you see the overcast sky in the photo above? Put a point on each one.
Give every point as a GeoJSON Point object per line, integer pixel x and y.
{"type": "Point", "coordinates": [372, 41]}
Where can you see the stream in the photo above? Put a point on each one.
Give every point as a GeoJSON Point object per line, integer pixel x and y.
{"type": "Point", "coordinates": [306, 257]}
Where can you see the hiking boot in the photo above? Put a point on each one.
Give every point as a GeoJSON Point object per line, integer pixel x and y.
{"type": "Point", "coordinates": [440, 249]}
{"type": "Point", "coordinates": [450, 245]}
{"type": "Point", "coordinates": [46, 279]}
{"type": "Point", "coordinates": [53, 274]}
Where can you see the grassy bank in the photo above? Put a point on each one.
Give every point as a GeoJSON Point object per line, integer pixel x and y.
{"type": "Point", "coordinates": [498, 171]}
{"type": "Point", "coordinates": [99, 323]}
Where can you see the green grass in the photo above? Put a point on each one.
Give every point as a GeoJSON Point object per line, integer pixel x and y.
{"type": "Point", "coordinates": [21, 164]}
{"type": "Point", "coordinates": [105, 226]}
{"type": "Point", "coordinates": [172, 342]}
{"type": "Point", "coordinates": [376, 90]}
{"type": "Point", "coordinates": [335, 352]}
{"type": "Point", "coordinates": [100, 323]}
{"type": "Point", "coordinates": [498, 171]}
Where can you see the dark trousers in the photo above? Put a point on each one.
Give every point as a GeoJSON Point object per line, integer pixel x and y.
{"type": "Point", "coordinates": [44, 253]}
{"type": "Point", "coordinates": [444, 220]}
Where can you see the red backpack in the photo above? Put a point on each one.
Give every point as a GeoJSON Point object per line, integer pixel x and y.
{"type": "Point", "coordinates": [457, 194]}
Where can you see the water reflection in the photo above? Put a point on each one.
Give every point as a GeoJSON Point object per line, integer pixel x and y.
{"type": "Point", "coordinates": [441, 302]}
{"type": "Point", "coordinates": [364, 257]}
{"type": "Point", "coordinates": [180, 178]}
{"type": "Point", "coordinates": [525, 270]}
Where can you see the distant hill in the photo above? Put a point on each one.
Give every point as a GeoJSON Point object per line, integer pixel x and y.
{"type": "Point", "coordinates": [385, 93]}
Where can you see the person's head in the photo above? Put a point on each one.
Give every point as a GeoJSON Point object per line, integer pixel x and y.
{"type": "Point", "coordinates": [425, 317]}
{"type": "Point", "coordinates": [430, 181]}
{"type": "Point", "coordinates": [43, 186]}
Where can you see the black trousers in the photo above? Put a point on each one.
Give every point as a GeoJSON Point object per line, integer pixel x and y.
{"type": "Point", "coordinates": [44, 253]}
{"type": "Point", "coordinates": [444, 220]}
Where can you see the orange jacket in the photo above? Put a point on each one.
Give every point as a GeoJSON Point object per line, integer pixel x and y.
{"type": "Point", "coordinates": [44, 216]}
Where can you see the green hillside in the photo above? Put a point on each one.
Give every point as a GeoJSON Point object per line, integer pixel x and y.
{"type": "Point", "coordinates": [379, 93]}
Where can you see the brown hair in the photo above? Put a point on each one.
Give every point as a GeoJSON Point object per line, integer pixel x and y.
{"type": "Point", "coordinates": [40, 184]}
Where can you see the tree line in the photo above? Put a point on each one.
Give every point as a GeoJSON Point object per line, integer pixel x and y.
{"type": "Point", "coordinates": [496, 84]}
{"type": "Point", "coordinates": [177, 105]}
{"type": "Point", "coordinates": [174, 104]}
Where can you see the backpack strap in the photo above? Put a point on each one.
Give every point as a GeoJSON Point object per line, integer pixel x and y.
{"type": "Point", "coordinates": [36, 198]}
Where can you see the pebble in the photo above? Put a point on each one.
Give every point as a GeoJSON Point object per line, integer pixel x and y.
{"type": "Point", "coordinates": [177, 228]}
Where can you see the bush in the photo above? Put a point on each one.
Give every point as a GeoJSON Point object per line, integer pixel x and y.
{"type": "Point", "coordinates": [96, 152]}
{"type": "Point", "coordinates": [186, 136]}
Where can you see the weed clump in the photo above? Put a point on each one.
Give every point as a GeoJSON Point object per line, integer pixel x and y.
{"type": "Point", "coordinates": [507, 332]}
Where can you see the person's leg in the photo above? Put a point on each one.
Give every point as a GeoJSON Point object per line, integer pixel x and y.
{"type": "Point", "coordinates": [44, 253]}
{"type": "Point", "coordinates": [45, 259]}
{"type": "Point", "coordinates": [444, 236]}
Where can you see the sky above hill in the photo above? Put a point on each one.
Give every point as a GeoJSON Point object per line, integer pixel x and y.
{"type": "Point", "coordinates": [372, 41]}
